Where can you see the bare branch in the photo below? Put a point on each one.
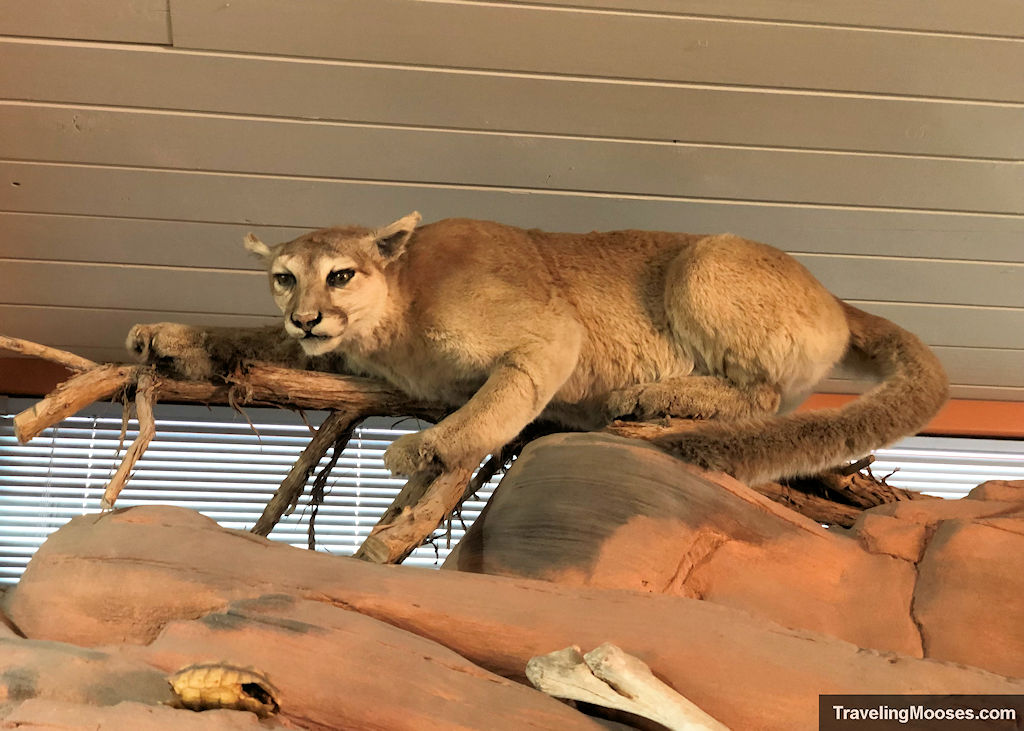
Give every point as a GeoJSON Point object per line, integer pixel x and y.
{"type": "Point", "coordinates": [70, 397]}
{"type": "Point", "coordinates": [335, 427]}
{"type": "Point", "coordinates": [27, 347]}
{"type": "Point", "coordinates": [419, 508]}
{"type": "Point", "coordinates": [145, 398]}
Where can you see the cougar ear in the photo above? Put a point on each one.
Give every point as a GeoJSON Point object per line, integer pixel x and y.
{"type": "Point", "coordinates": [391, 239]}
{"type": "Point", "coordinates": [258, 249]}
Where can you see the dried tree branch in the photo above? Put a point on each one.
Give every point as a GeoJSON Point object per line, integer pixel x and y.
{"type": "Point", "coordinates": [833, 497]}
{"type": "Point", "coordinates": [426, 499]}
{"type": "Point", "coordinates": [335, 426]}
{"type": "Point", "coordinates": [27, 347]}
{"type": "Point", "coordinates": [317, 492]}
{"type": "Point", "coordinates": [145, 399]}
{"type": "Point", "coordinates": [419, 508]}
{"type": "Point", "coordinates": [72, 396]}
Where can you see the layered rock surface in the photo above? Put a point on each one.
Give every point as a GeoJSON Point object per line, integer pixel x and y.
{"type": "Point", "coordinates": [745, 608]}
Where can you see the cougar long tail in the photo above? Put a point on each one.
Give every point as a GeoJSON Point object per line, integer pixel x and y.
{"type": "Point", "coordinates": [913, 388]}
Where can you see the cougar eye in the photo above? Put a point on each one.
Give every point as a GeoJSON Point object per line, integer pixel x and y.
{"type": "Point", "coordinates": [340, 277]}
{"type": "Point", "coordinates": [284, 279]}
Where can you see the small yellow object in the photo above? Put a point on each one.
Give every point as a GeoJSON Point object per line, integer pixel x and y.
{"type": "Point", "coordinates": [211, 686]}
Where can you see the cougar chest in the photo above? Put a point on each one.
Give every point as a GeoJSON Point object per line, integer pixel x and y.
{"type": "Point", "coordinates": [421, 374]}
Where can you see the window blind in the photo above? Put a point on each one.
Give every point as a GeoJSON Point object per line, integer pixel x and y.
{"type": "Point", "coordinates": [210, 460]}
{"type": "Point", "coordinates": [214, 461]}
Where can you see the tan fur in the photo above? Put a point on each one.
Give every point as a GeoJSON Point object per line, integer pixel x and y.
{"type": "Point", "coordinates": [510, 325]}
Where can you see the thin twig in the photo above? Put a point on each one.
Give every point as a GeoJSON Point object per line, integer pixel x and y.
{"type": "Point", "coordinates": [145, 398]}
{"type": "Point", "coordinates": [71, 396]}
{"type": "Point", "coordinates": [410, 519]}
{"type": "Point", "coordinates": [64, 358]}
{"type": "Point", "coordinates": [316, 493]}
{"type": "Point", "coordinates": [335, 426]}
{"type": "Point", "coordinates": [855, 467]}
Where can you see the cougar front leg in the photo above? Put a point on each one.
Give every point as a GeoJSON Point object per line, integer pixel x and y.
{"type": "Point", "coordinates": [201, 352]}
{"type": "Point", "coordinates": [514, 395]}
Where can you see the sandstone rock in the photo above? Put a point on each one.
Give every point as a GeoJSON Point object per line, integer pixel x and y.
{"type": "Point", "coordinates": [127, 716]}
{"type": "Point", "coordinates": [1004, 490]}
{"type": "Point", "coordinates": [593, 510]}
{"type": "Point", "coordinates": [50, 685]}
{"type": "Point", "coordinates": [597, 510]}
{"type": "Point", "coordinates": [930, 513]}
{"type": "Point", "coordinates": [146, 567]}
{"type": "Point", "coordinates": [338, 669]}
{"type": "Point", "coordinates": [969, 599]}
{"type": "Point", "coordinates": [885, 534]}
{"type": "Point", "coordinates": [57, 671]}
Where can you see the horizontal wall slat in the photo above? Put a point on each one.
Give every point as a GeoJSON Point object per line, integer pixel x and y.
{"type": "Point", "coordinates": [77, 327]}
{"type": "Point", "coordinates": [979, 393]}
{"type": "Point", "coordinates": [540, 40]}
{"type": "Point", "coordinates": [244, 292]}
{"type": "Point", "coordinates": [908, 280]}
{"type": "Point", "coordinates": [96, 285]}
{"type": "Point", "coordinates": [979, 366]}
{"type": "Point", "coordinates": [203, 291]}
{"type": "Point", "coordinates": [132, 21]}
{"type": "Point", "coordinates": [975, 327]}
{"type": "Point", "coordinates": [254, 200]}
{"type": "Point", "coordinates": [63, 134]}
{"type": "Point", "coordinates": [156, 78]}
{"type": "Point", "coordinates": [995, 17]}
{"type": "Point", "coordinates": [974, 372]}
{"type": "Point", "coordinates": [132, 241]}
{"type": "Point", "coordinates": [798, 229]}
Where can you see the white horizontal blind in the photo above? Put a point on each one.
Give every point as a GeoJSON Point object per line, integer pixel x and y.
{"type": "Point", "coordinates": [949, 467]}
{"type": "Point", "coordinates": [212, 461]}
{"type": "Point", "coordinates": [209, 460]}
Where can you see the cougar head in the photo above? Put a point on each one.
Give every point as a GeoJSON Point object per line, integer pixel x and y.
{"type": "Point", "coordinates": [331, 284]}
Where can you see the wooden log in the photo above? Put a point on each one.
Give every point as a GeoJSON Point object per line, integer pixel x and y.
{"type": "Point", "coordinates": [833, 497]}
{"type": "Point", "coordinates": [257, 382]}
{"type": "Point", "coordinates": [27, 347]}
{"type": "Point", "coordinates": [823, 510]}
{"type": "Point", "coordinates": [145, 399]}
{"type": "Point", "coordinates": [419, 508]}
{"type": "Point", "coordinates": [70, 397]}
{"type": "Point", "coordinates": [286, 496]}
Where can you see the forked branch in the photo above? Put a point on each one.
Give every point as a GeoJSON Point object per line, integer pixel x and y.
{"type": "Point", "coordinates": [425, 501]}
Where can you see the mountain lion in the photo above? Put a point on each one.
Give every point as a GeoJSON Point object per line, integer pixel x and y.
{"type": "Point", "coordinates": [510, 325]}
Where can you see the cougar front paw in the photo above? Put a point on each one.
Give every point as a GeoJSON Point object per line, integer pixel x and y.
{"type": "Point", "coordinates": [413, 453]}
{"type": "Point", "coordinates": [171, 345]}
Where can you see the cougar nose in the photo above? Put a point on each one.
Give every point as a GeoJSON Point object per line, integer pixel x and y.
{"type": "Point", "coordinates": [306, 321]}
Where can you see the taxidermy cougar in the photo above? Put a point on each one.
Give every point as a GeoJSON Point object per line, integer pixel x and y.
{"type": "Point", "coordinates": [510, 325]}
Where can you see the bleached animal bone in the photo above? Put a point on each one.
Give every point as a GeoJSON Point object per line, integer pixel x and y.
{"type": "Point", "coordinates": [609, 677]}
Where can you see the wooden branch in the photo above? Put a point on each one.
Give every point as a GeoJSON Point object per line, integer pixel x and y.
{"type": "Point", "coordinates": [258, 382]}
{"type": "Point", "coordinates": [833, 497]}
{"type": "Point", "coordinates": [72, 396]}
{"type": "Point", "coordinates": [419, 508]}
{"type": "Point", "coordinates": [287, 495]}
{"type": "Point", "coordinates": [64, 358]}
{"type": "Point", "coordinates": [817, 508]}
{"type": "Point", "coordinates": [145, 398]}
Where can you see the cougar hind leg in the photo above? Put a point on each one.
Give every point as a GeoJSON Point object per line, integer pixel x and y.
{"type": "Point", "coordinates": [693, 397]}
{"type": "Point", "coordinates": [756, 320]}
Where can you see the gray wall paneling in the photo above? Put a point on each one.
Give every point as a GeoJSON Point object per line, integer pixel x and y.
{"type": "Point", "coordinates": [880, 144]}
